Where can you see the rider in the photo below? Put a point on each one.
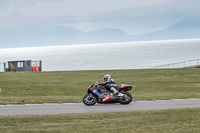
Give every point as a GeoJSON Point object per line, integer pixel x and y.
{"type": "Point", "coordinates": [110, 83]}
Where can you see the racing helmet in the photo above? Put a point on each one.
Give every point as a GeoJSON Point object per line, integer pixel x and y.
{"type": "Point", "coordinates": [106, 77]}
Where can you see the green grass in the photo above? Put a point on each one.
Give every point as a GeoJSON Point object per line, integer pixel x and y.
{"type": "Point", "coordinates": [71, 86]}
{"type": "Point", "coordinates": [163, 121]}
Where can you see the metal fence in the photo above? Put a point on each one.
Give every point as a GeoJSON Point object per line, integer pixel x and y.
{"type": "Point", "coordinates": [183, 64]}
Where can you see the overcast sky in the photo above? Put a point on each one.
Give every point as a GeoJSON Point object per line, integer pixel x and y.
{"type": "Point", "coordinates": [130, 16]}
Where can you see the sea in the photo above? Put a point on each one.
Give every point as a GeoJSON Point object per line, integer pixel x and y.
{"type": "Point", "coordinates": [106, 56]}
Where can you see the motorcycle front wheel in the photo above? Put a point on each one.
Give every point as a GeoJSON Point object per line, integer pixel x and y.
{"type": "Point", "coordinates": [126, 99]}
{"type": "Point", "coordinates": [89, 99]}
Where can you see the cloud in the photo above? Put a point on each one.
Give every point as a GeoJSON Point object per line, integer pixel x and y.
{"type": "Point", "coordinates": [139, 19]}
{"type": "Point", "coordinates": [46, 8]}
{"type": "Point", "coordinates": [131, 16]}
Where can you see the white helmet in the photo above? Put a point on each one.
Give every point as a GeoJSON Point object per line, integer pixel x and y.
{"type": "Point", "coordinates": [106, 77]}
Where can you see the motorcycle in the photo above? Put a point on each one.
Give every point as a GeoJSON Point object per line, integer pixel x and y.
{"type": "Point", "coordinates": [99, 94]}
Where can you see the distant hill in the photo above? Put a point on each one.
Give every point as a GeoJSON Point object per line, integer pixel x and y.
{"type": "Point", "coordinates": [41, 34]}
{"type": "Point", "coordinates": [185, 29]}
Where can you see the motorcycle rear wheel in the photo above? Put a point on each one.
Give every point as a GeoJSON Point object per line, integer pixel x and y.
{"type": "Point", "coordinates": [126, 100]}
{"type": "Point", "coordinates": [89, 99]}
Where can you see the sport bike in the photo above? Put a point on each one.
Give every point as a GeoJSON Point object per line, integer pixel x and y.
{"type": "Point", "coordinates": [99, 94]}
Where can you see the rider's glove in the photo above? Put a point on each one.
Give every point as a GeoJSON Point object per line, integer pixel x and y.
{"type": "Point", "coordinates": [96, 83]}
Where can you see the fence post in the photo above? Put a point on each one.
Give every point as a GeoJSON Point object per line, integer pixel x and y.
{"type": "Point", "coordinates": [0, 93]}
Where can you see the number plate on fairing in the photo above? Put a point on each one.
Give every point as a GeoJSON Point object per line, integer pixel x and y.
{"type": "Point", "coordinates": [96, 92]}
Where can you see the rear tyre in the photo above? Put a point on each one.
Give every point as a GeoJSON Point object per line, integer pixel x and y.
{"type": "Point", "coordinates": [89, 99]}
{"type": "Point", "coordinates": [126, 99]}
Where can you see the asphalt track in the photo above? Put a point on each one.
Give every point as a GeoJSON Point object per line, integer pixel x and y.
{"type": "Point", "coordinates": [69, 108]}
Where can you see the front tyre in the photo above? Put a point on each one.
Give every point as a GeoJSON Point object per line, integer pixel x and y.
{"type": "Point", "coordinates": [89, 99]}
{"type": "Point", "coordinates": [126, 99]}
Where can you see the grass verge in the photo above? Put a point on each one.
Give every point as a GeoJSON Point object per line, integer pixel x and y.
{"type": "Point", "coordinates": [71, 86]}
{"type": "Point", "coordinates": [163, 121]}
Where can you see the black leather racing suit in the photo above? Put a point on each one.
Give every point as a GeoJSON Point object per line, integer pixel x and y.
{"type": "Point", "coordinates": [110, 84]}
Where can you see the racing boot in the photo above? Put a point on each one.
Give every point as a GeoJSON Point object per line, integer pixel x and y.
{"type": "Point", "coordinates": [115, 92]}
